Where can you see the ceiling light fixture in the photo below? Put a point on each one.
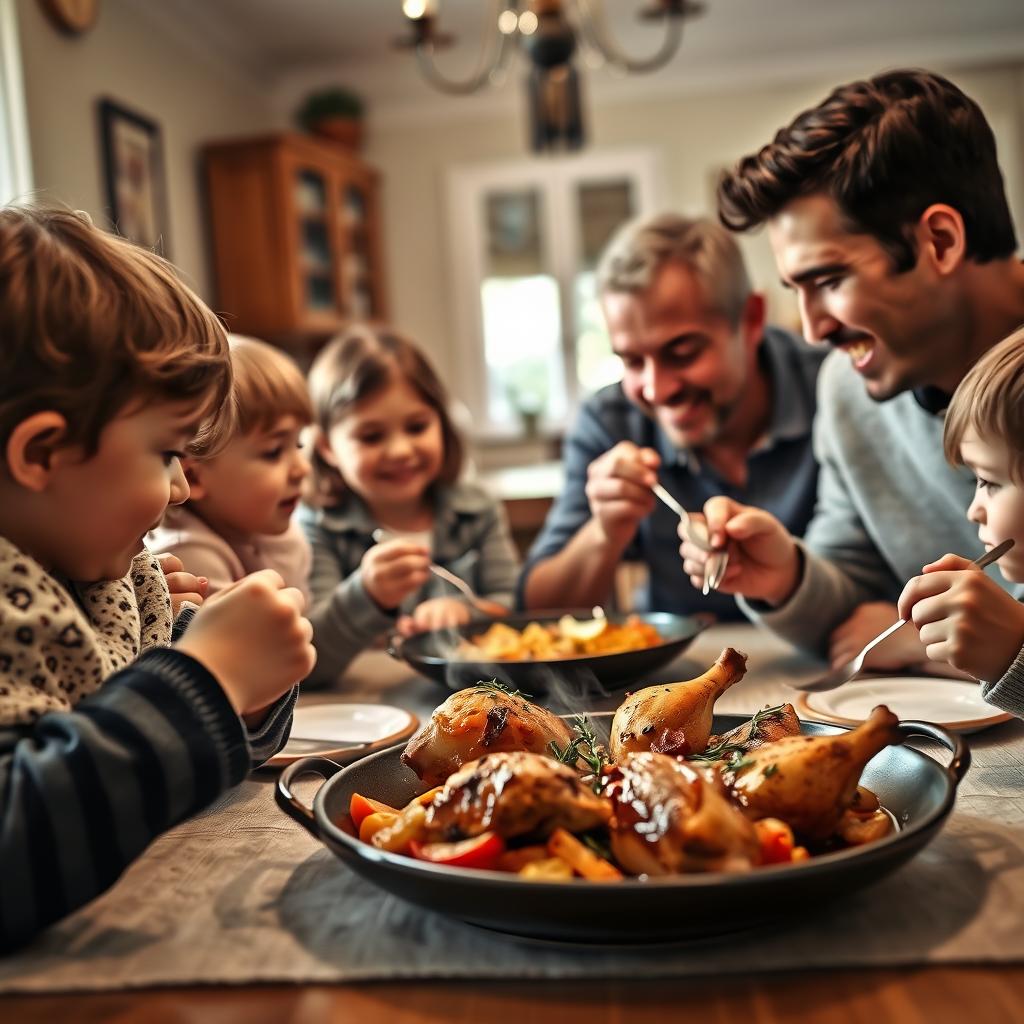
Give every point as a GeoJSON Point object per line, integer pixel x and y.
{"type": "Point", "coordinates": [549, 32]}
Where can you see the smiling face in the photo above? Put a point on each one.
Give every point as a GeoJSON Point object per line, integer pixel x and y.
{"type": "Point", "coordinates": [251, 488]}
{"type": "Point", "coordinates": [998, 505]}
{"type": "Point", "coordinates": [900, 330]}
{"type": "Point", "coordinates": [684, 364]}
{"type": "Point", "coordinates": [96, 510]}
{"type": "Point", "coordinates": [389, 449]}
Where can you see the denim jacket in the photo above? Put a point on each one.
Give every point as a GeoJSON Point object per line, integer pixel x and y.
{"type": "Point", "coordinates": [470, 538]}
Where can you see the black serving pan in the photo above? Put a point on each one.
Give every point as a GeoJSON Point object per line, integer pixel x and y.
{"type": "Point", "coordinates": [917, 790]}
{"type": "Point", "coordinates": [431, 654]}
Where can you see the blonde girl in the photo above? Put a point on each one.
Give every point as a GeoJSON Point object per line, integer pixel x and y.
{"type": "Point", "coordinates": [238, 518]}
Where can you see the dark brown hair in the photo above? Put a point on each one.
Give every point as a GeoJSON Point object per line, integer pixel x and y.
{"type": "Point", "coordinates": [91, 324]}
{"type": "Point", "coordinates": [990, 399]}
{"type": "Point", "coordinates": [885, 150]}
{"type": "Point", "coordinates": [361, 362]}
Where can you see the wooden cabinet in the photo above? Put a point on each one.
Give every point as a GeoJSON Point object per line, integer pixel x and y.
{"type": "Point", "coordinates": [295, 226]}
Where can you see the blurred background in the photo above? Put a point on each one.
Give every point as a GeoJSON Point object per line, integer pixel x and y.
{"type": "Point", "coordinates": [210, 128]}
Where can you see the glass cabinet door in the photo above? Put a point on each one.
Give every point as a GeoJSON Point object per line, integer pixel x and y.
{"type": "Point", "coordinates": [316, 259]}
{"type": "Point", "coordinates": [358, 262]}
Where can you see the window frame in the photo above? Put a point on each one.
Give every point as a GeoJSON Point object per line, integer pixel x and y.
{"type": "Point", "coordinates": [556, 181]}
{"type": "Point", "coordinates": [16, 182]}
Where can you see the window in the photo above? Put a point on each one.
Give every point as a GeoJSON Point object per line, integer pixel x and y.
{"type": "Point", "coordinates": [526, 238]}
{"type": "Point", "coordinates": [15, 164]}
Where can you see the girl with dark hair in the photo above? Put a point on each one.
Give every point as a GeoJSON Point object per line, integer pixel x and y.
{"type": "Point", "coordinates": [389, 502]}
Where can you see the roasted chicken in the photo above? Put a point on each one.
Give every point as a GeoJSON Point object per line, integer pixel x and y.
{"type": "Point", "coordinates": [480, 720]}
{"type": "Point", "coordinates": [674, 718]}
{"type": "Point", "coordinates": [670, 816]}
{"type": "Point", "coordinates": [765, 727]}
{"type": "Point", "coordinates": [809, 781]}
{"type": "Point", "coordinates": [513, 794]}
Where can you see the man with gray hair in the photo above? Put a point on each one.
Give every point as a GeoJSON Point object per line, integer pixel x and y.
{"type": "Point", "coordinates": [711, 401]}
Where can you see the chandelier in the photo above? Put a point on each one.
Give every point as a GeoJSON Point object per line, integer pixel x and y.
{"type": "Point", "coordinates": [550, 33]}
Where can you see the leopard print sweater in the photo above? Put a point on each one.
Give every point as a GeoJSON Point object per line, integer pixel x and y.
{"type": "Point", "coordinates": [59, 640]}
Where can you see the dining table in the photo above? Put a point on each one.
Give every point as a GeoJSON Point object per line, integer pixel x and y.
{"type": "Point", "coordinates": [239, 915]}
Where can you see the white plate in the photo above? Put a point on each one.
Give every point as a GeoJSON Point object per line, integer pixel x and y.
{"type": "Point", "coordinates": [342, 728]}
{"type": "Point", "coordinates": [952, 703]}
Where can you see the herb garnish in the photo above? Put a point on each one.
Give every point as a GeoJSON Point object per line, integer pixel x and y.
{"type": "Point", "coordinates": [586, 748]}
{"type": "Point", "coordinates": [722, 751]}
{"type": "Point", "coordinates": [494, 684]}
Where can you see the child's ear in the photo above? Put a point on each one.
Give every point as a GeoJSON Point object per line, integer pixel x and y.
{"type": "Point", "coordinates": [194, 473]}
{"type": "Point", "coordinates": [322, 446]}
{"type": "Point", "coordinates": [32, 449]}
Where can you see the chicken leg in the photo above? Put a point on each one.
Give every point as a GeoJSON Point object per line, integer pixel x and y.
{"type": "Point", "coordinates": [809, 781]}
{"type": "Point", "coordinates": [674, 718]}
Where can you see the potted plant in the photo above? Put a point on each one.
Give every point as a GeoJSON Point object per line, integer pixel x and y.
{"type": "Point", "coordinates": [335, 113]}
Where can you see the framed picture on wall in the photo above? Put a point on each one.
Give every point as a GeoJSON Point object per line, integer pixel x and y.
{"type": "Point", "coordinates": [133, 164]}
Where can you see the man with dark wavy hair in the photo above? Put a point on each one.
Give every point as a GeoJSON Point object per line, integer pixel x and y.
{"type": "Point", "coordinates": [887, 215]}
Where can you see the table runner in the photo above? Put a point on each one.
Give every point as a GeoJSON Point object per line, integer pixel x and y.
{"type": "Point", "coordinates": [242, 895]}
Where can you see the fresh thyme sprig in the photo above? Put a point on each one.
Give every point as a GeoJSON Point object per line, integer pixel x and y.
{"type": "Point", "coordinates": [722, 751]}
{"type": "Point", "coordinates": [494, 684]}
{"type": "Point", "coordinates": [586, 748]}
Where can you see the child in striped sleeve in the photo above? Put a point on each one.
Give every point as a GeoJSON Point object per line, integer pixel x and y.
{"type": "Point", "coordinates": [113, 727]}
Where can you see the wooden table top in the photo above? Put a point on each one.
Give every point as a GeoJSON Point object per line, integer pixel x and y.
{"type": "Point", "coordinates": [871, 996]}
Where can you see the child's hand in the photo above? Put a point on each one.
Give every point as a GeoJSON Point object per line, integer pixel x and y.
{"type": "Point", "coordinates": [253, 639]}
{"type": "Point", "coordinates": [182, 585]}
{"type": "Point", "coordinates": [763, 559]}
{"type": "Point", "coordinates": [394, 569]}
{"type": "Point", "coordinates": [964, 618]}
{"type": "Point", "coordinates": [437, 613]}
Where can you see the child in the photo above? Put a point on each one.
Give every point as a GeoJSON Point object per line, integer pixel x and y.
{"type": "Point", "coordinates": [238, 517]}
{"type": "Point", "coordinates": [386, 462]}
{"type": "Point", "coordinates": [964, 617]}
{"type": "Point", "coordinates": [108, 736]}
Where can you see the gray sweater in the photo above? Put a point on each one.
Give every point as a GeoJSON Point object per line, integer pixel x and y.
{"type": "Point", "coordinates": [888, 503]}
{"type": "Point", "coordinates": [471, 538]}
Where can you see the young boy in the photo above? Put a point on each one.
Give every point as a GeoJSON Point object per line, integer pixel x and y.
{"type": "Point", "coordinates": [108, 736]}
{"type": "Point", "coordinates": [964, 617]}
{"type": "Point", "coordinates": [238, 518]}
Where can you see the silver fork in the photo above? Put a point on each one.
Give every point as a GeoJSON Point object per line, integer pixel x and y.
{"type": "Point", "coordinates": [845, 672]}
{"type": "Point", "coordinates": [487, 607]}
{"type": "Point", "coordinates": [697, 533]}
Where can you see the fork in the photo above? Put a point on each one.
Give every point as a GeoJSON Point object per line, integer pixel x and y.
{"type": "Point", "coordinates": [844, 673]}
{"type": "Point", "coordinates": [481, 603]}
{"type": "Point", "coordinates": [696, 532]}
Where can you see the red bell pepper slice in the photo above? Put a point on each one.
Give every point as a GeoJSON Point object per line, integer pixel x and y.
{"type": "Point", "coordinates": [480, 851]}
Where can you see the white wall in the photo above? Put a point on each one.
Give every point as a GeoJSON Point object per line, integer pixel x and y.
{"type": "Point", "coordinates": [134, 61]}
{"type": "Point", "coordinates": [695, 133]}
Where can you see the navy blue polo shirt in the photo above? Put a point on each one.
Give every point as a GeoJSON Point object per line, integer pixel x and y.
{"type": "Point", "coordinates": [782, 475]}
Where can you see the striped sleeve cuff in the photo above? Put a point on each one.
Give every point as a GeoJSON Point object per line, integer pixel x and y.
{"type": "Point", "coordinates": [1007, 693]}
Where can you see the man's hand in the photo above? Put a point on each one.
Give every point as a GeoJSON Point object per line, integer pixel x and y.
{"type": "Point", "coordinates": [394, 569]}
{"type": "Point", "coordinates": [254, 640]}
{"type": "Point", "coordinates": [964, 618]}
{"type": "Point", "coordinates": [182, 585]}
{"type": "Point", "coordinates": [619, 491]}
{"type": "Point", "coordinates": [763, 559]}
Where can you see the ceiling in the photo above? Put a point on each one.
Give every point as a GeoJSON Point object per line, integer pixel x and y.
{"type": "Point", "coordinates": [300, 39]}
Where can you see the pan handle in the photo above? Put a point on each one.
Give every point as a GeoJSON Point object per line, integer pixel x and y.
{"type": "Point", "coordinates": [289, 802]}
{"type": "Point", "coordinates": [953, 742]}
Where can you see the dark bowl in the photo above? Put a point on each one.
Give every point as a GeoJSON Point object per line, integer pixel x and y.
{"type": "Point", "coordinates": [916, 789]}
{"type": "Point", "coordinates": [430, 654]}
